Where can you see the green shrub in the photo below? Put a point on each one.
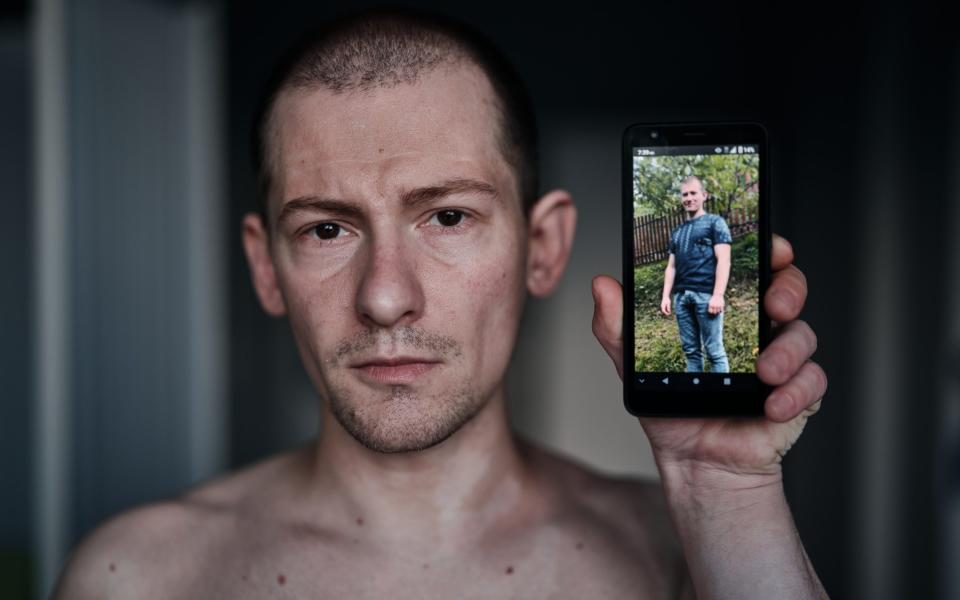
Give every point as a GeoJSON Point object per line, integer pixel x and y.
{"type": "Point", "coordinates": [744, 258]}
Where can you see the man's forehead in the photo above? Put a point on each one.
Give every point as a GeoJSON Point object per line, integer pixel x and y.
{"type": "Point", "coordinates": [378, 143]}
{"type": "Point", "coordinates": [448, 113]}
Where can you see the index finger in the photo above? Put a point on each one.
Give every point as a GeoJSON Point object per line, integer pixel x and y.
{"type": "Point", "coordinates": [782, 253]}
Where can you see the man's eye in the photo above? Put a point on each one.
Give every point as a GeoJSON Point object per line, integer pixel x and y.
{"type": "Point", "coordinates": [327, 231]}
{"type": "Point", "coordinates": [449, 218]}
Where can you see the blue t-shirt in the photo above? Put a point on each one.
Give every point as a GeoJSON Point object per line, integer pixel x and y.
{"type": "Point", "coordinates": [692, 247]}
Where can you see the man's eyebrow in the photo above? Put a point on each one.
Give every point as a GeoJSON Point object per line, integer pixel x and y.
{"type": "Point", "coordinates": [410, 199]}
{"type": "Point", "coordinates": [317, 204]}
{"type": "Point", "coordinates": [424, 195]}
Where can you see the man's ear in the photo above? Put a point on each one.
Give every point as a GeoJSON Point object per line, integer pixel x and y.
{"type": "Point", "coordinates": [256, 245]}
{"type": "Point", "coordinates": [549, 240]}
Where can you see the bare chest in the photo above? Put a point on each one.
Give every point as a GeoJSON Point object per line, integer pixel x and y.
{"type": "Point", "coordinates": [553, 564]}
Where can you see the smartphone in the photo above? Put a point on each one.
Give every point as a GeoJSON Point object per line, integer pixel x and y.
{"type": "Point", "coordinates": [696, 263]}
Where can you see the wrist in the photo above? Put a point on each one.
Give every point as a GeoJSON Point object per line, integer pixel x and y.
{"type": "Point", "coordinates": [738, 536]}
{"type": "Point", "coordinates": [688, 482]}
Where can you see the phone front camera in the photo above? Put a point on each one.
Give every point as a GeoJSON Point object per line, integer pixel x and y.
{"type": "Point", "coordinates": [654, 134]}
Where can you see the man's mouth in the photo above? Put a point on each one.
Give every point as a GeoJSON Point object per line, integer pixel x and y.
{"type": "Point", "coordinates": [394, 371]}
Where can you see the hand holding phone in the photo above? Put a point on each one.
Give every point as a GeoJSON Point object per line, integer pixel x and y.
{"type": "Point", "coordinates": [719, 474]}
{"type": "Point", "coordinates": [800, 382]}
{"type": "Point", "coordinates": [723, 475]}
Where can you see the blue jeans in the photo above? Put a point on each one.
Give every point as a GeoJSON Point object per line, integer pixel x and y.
{"type": "Point", "coordinates": [700, 332]}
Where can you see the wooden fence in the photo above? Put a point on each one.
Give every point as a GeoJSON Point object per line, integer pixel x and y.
{"type": "Point", "coordinates": [651, 234]}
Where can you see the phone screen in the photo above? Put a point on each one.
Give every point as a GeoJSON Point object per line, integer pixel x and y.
{"type": "Point", "coordinates": [697, 255]}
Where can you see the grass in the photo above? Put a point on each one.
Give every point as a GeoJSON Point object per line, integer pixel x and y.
{"type": "Point", "coordinates": [657, 338]}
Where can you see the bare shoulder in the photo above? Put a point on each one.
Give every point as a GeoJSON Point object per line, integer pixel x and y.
{"type": "Point", "coordinates": [627, 516]}
{"type": "Point", "coordinates": [120, 555]}
{"type": "Point", "coordinates": [150, 546]}
{"type": "Point", "coordinates": [616, 500]}
{"type": "Point", "coordinates": [619, 528]}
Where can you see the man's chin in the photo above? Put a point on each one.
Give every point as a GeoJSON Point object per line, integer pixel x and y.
{"type": "Point", "coordinates": [398, 444]}
{"type": "Point", "coordinates": [405, 421]}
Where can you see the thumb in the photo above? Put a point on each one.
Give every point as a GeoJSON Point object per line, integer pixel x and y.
{"type": "Point", "coordinates": [608, 318]}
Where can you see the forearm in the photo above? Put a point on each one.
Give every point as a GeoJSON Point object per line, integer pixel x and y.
{"type": "Point", "coordinates": [668, 276]}
{"type": "Point", "coordinates": [722, 277]}
{"type": "Point", "coordinates": [738, 536]}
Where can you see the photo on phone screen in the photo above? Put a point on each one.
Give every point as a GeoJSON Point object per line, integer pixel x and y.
{"type": "Point", "coordinates": [696, 261]}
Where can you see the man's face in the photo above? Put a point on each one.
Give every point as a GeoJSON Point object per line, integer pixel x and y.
{"type": "Point", "coordinates": [692, 196]}
{"type": "Point", "coordinates": [399, 247]}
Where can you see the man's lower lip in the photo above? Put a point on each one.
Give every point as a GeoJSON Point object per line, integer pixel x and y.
{"type": "Point", "coordinates": [395, 374]}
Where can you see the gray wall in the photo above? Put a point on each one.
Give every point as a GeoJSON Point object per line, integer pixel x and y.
{"type": "Point", "coordinates": [141, 265]}
{"type": "Point", "coordinates": [128, 312]}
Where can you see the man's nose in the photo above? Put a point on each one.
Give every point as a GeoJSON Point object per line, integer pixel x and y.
{"type": "Point", "coordinates": [390, 291]}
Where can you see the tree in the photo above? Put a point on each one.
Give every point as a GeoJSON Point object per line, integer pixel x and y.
{"type": "Point", "coordinates": [728, 179]}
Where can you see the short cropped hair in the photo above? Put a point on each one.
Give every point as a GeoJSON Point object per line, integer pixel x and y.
{"type": "Point", "coordinates": [690, 178]}
{"type": "Point", "coordinates": [384, 48]}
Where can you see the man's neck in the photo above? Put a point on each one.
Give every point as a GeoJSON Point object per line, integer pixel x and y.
{"type": "Point", "coordinates": [459, 489]}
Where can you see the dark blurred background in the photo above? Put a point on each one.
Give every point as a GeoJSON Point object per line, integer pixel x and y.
{"type": "Point", "coordinates": [134, 360]}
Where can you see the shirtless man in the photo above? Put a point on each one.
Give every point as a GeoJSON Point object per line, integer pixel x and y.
{"type": "Point", "coordinates": [398, 243]}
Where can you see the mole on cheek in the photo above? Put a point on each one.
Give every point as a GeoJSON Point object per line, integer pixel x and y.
{"type": "Point", "coordinates": [113, 567]}
{"type": "Point", "coordinates": [281, 580]}
{"type": "Point", "coordinates": [579, 545]}
{"type": "Point", "coordinates": [360, 521]}
{"type": "Point", "coordinates": [509, 571]}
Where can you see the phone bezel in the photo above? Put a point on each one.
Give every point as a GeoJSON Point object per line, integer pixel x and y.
{"type": "Point", "coordinates": [672, 402]}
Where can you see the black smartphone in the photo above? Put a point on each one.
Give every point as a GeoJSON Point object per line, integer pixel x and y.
{"type": "Point", "coordinates": [696, 263]}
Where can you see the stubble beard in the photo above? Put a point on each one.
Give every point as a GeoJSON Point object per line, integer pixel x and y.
{"type": "Point", "coordinates": [401, 418]}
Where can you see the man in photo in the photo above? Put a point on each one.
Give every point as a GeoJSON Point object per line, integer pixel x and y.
{"type": "Point", "coordinates": [400, 232]}
{"type": "Point", "coordinates": [696, 275]}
